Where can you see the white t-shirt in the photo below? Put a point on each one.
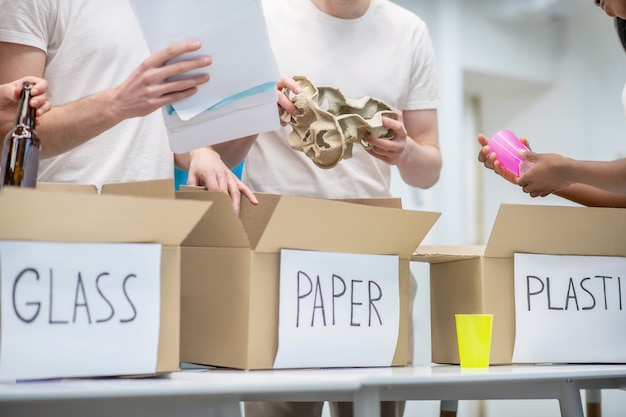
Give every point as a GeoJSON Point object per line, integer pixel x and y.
{"type": "Point", "coordinates": [91, 45]}
{"type": "Point", "coordinates": [386, 53]}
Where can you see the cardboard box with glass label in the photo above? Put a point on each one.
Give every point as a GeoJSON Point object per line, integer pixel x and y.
{"type": "Point", "coordinates": [480, 279]}
{"type": "Point", "coordinates": [72, 303]}
{"type": "Point", "coordinates": [231, 268]}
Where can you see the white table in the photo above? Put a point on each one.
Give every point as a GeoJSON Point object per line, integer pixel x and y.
{"type": "Point", "coordinates": [182, 394]}
{"type": "Point", "coordinates": [212, 392]}
{"type": "Point", "coordinates": [450, 383]}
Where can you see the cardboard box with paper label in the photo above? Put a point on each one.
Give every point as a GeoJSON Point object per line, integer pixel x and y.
{"type": "Point", "coordinates": [298, 282]}
{"type": "Point", "coordinates": [553, 278]}
{"type": "Point", "coordinates": [90, 283]}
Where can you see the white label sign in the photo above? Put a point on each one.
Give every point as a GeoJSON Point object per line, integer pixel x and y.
{"type": "Point", "coordinates": [337, 310]}
{"type": "Point", "coordinates": [77, 309]}
{"type": "Point", "coordinates": [569, 309]}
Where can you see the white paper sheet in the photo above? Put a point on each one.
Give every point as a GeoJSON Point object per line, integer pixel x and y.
{"type": "Point", "coordinates": [569, 309]}
{"type": "Point", "coordinates": [233, 33]}
{"type": "Point", "coordinates": [77, 309]}
{"type": "Point", "coordinates": [337, 309]}
{"type": "Point", "coordinates": [247, 116]}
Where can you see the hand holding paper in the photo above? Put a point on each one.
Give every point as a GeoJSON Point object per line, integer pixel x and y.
{"type": "Point", "coordinates": [240, 98]}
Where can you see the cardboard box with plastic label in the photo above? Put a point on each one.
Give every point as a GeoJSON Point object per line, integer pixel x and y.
{"type": "Point", "coordinates": [480, 279]}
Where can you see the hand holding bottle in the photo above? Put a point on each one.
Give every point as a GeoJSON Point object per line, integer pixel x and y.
{"type": "Point", "coordinates": [10, 95]}
{"type": "Point", "coordinates": [19, 161]}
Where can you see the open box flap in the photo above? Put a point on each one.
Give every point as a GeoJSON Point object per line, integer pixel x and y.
{"type": "Point", "coordinates": [557, 230]}
{"type": "Point", "coordinates": [447, 253]}
{"type": "Point", "coordinates": [44, 215]}
{"type": "Point", "coordinates": [67, 187]}
{"type": "Point", "coordinates": [163, 188]}
{"type": "Point", "coordinates": [220, 227]}
{"type": "Point", "coordinates": [376, 202]}
{"type": "Point", "coordinates": [334, 226]}
{"type": "Point", "coordinates": [154, 188]}
{"type": "Point", "coordinates": [256, 218]}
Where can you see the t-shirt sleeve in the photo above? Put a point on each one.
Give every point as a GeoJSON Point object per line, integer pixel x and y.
{"type": "Point", "coordinates": [27, 22]}
{"type": "Point", "coordinates": [424, 82]}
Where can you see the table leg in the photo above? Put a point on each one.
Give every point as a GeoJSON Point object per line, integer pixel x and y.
{"type": "Point", "coordinates": [593, 399]}
{"type": "Point", "coordinates": [569, 400]}
{"type": "Point", "coordinates": [367, 402]}
{"type": "Point", "coordinates": [448, 408]}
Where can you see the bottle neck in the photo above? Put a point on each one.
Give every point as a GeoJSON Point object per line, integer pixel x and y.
{"type": "Point", "coordinates": [25, 112]}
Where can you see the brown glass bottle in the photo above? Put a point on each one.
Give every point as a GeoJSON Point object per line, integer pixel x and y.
{"type": "Point", "coordinates": [19, 162]}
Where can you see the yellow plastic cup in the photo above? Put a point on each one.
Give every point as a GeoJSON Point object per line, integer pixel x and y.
{"type": "Point", "coordinates": [473, 333]}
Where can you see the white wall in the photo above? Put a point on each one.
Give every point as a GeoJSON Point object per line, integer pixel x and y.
{"type": "Point", "coordinates": [557, 81]}
{"type": "Point", "coordinates": [554, 75]}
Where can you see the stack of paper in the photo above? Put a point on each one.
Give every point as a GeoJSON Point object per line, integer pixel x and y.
{"type": "Point", "coordinates": [240, 97]}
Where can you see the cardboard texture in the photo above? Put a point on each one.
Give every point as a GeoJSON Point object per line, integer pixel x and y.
{"type": "Point", "coordinates": [230, 267]}
{"type": "Point", "coordinates": [479, 279]}
{"type": "Point", "coordinates": [77, 213]}
{"type": "Point", "coordinates": [155, 188]}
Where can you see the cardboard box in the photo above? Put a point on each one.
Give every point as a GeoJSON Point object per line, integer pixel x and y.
{"type": "Point", "coordinates": [148, 189]}
{"type": "Point", "coordinates": [230, 273]}
{"type": "Point", "coordinates": [76, 213]}
{"type": "Point", "coordinates": [479, 279]}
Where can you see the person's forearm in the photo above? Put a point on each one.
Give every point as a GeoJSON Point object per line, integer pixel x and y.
{"type": "Point", "coordinates": [65, 127]}
{"type": "Point", "coordinates": [592, 197]}
{"type": "Point", "coordinates": [234, 151]}
{"type": "Point", "coordinates": [231, 153]}
{"type": "Point", "coordinates": [152, 85]}
{"type": "Point", "coordinates": [421, 166]}
{"type": "Point", "coordinates": [606, 175]}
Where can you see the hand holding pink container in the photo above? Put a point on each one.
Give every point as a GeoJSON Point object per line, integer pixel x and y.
{"type": "Point", "coordinates": [506, 147]}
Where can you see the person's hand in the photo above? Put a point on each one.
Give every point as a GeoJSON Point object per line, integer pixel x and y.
{"type": "Point", "coordinates": [546, 176]}
{"type": "Point", "coordinates": [287, 86]}
{"type": "Point", "coordinates": [394, 150]}
{"type": "Point", "coordinates": [161, 79]}
{"type": "Point", "coordinates": [10, 96]}
{"type": "Point", "coordinates": [207, 169]}
{"type": "Point", "coordinates": [490, 160]}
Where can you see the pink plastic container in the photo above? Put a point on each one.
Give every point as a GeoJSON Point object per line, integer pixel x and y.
{"type": "Point", "coordinates": [505, 145]}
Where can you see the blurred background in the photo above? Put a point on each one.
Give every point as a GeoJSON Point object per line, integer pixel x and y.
{"type": "Point", "coordinates": [550, 70]}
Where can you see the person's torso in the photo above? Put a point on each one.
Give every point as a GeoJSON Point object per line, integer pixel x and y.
{"type": "Point", "coordinates": [92, 46]}
{"type": "Point", "coordinates": [375, 55]}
